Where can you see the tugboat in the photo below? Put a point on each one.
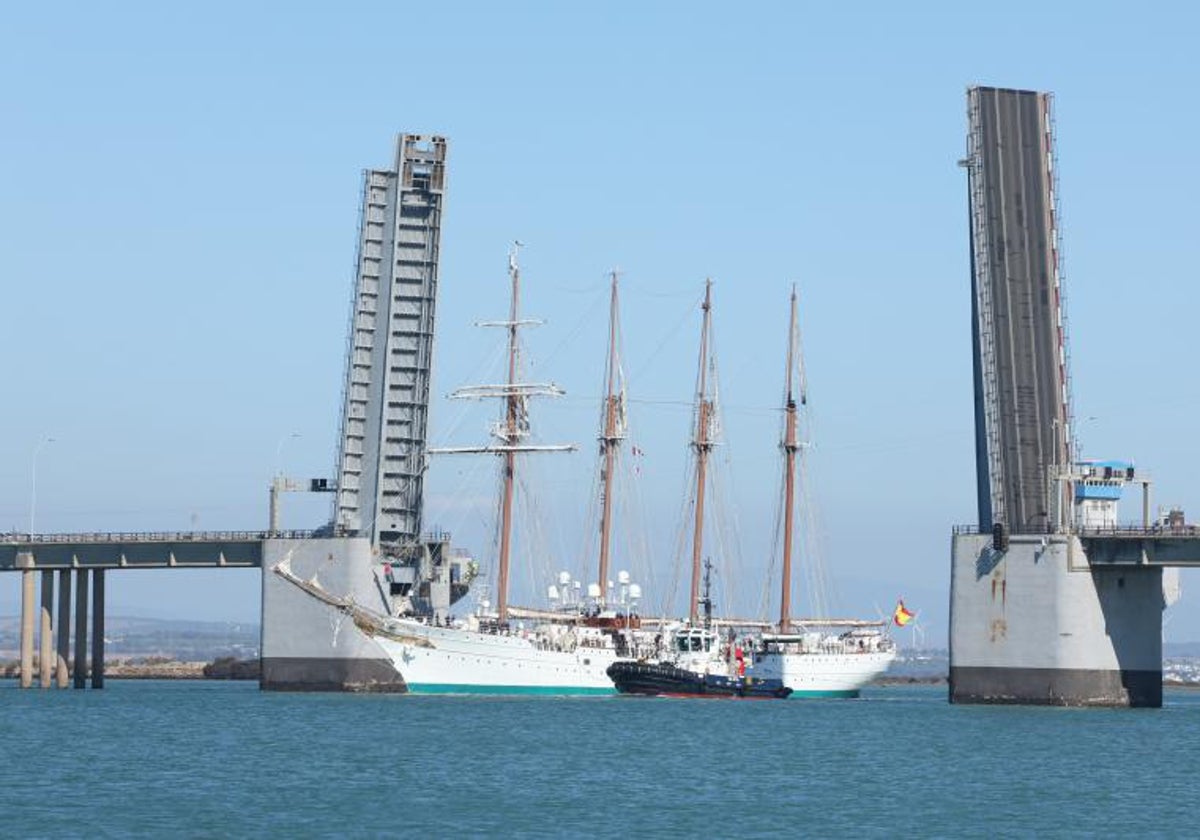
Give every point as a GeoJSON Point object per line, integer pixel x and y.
{"type": "Point", "coordinates": [701, 666]}
{"type": "Point", "coordinates": [663, 679]}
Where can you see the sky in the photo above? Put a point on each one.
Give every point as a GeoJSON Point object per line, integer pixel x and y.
{"type": "Point", "coordinates": [179, 189]}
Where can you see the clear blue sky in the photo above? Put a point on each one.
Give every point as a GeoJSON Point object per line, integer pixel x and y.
{"type": "Point", "coordinates": [178, 209]}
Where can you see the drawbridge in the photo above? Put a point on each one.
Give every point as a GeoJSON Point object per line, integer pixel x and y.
{"type": "Point", "coordinates": [377, 490]}
{"type": "Point", "coordinates": [1052, 601]}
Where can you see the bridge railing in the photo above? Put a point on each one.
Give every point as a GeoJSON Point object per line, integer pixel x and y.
{"type": "Point", "coordinates": [1142, 531]}
{"type": "Point", "coordinates": [1032, 530]}
{"type": "Point", "coordinates": [1129, 531]}
{"type": "Point", "coordinates": [153, 537]}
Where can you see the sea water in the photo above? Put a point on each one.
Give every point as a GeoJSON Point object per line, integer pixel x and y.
{"type": "Point", "coordinates": [218, 759]}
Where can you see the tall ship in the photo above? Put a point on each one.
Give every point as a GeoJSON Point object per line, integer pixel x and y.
{"type": "Point", "coordinates": [501, 648]}
{"type": "Point", "coordinates": [814, 657]}
{"type": "Point", "coordinates": [702, 656]}
{"type": "Point", "coordinates": [733, 657]}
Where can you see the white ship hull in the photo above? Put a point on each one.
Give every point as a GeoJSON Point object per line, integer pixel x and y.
{"type": "Point", "coordinates": [460, 660]}
{"type": "Point", "coordinates": [824, 674]}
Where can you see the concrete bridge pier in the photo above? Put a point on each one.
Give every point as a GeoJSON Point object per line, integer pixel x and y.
{"type": "Point", "coordinates": [1035, 623]}
{"type": "Point", "coordinates": [27, 628]}
{"type": "Point", "coordinates": [309, 645]}
{"type": "Point", "coordinates": [64, 628]}
{"type": "Point", "coordinates": [46, 630]}
{"type": "Point", "coordinates": [98, 628]}
{"type": "Point", "coordinates": [81, 615]}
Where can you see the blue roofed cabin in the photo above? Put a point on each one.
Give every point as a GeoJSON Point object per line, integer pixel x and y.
{"type": "Point", "coordinates": [1098, 486]}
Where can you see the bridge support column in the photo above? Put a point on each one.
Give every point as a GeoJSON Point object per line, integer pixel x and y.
{"type": "Point", "coordinates": [64, 628]}
{"type": "Point", "coordinates": [46, 631]}
{"type": "Point", "coordinates": [81, 610]}
{"type": "Point", "coordinates": [1036, 624]}
{"type": "Point", "coordinates": [27, 628]}
{"type": "Point", "coordinates": [302, 649]}
{"type": "Point", "coordinates": [98, 628]}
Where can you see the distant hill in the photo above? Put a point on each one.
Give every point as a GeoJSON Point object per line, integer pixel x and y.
{"type": "Point", "coordinates": [188, 641]}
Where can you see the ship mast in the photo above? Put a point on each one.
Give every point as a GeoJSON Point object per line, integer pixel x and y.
{"type": "Point", "coordinates": [512, 429]}
{"type": "Point", "coordinates": [702, 444]}
{"type": "Point", "coordinates": [610, 438]}
{"type": "Point", "coordinates": [513, 409]}
{"type": "Point", "coordinates": [790, 445]}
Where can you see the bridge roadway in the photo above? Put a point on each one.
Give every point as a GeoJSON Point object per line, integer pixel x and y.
{"type": "Point", "coordinates": [1137, 546]}
{"type": "Point", "coordinates": [139, 550]}
{"type": "Point", "coordinates": [85, 557]}
{"type": "Point", "coordinates": [1128, 545]}
{"type": "Point", "coordinates": [1027, 365]}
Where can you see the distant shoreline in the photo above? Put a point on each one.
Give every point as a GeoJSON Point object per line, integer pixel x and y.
{"type": "Point", "coordinates": [228, 668]}
{"type": "Point", "coordinates": [222, 668]}
{"type": "Point", "coordinates": [936, 679]}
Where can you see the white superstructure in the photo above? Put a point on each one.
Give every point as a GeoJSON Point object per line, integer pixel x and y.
{"type": "Point", "coordinates": [824, 664]}
{"type": "Point", "coordinates": [478, 658]}
{"type": "Point", "coordinates": [829, 658]}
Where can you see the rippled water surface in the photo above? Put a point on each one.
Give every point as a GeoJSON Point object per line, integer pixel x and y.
{"type": "Point", "coordinates": [215, 759]}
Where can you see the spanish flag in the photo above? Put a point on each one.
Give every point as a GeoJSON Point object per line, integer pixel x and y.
{"type": "Point", "coordinates": [902, 616]}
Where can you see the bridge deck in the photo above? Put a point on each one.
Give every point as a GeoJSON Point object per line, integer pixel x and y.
{"type": "Point", "coordinates": [1142, 546]}
{"type": "Point", "coordinates": [140, 550]}
{"type": "Point", "coordinates": [1127, 545]}
{"type": "Point", "coordinates": [1021, 362]}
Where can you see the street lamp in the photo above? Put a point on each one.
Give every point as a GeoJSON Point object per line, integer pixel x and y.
{"type": "Point", "coordinates": [279, 451]}
{"type": "Point", "coordinates": [33, 482]}
{"type": "Point", "coordinates": [278, 483]}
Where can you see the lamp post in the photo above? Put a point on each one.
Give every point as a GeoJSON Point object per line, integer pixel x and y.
{"type": "Point", "coordinates": [278, 484]}
{"type": "Point", "coordinates": [33, 482]}
{"type": "Point", "coordinates": [279, 451]}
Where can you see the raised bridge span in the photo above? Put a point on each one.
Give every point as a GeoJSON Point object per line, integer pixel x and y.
{"type": "Point", "coordinates": [1022, 405]}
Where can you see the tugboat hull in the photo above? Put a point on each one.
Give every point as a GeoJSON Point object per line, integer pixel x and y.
{"type": "Point", "coordinates": [665, 680]}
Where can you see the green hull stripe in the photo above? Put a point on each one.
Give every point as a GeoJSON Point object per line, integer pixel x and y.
{"type": "Point", "coordinates": [543, 690]}
{"type": "Point", "coordinates": [843, 694]}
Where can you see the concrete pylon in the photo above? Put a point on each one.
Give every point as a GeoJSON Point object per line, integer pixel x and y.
{"type": "Point", "coordinates": [81, 611]}
{"type": "Point", "coordinates": [27, 614]}
{"type": "Point", "coordinates": [98, 628]}
{"type": "Point", "coordinates": [46, 631]}
{"type": "Point", "coordinates": [61, 671]}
